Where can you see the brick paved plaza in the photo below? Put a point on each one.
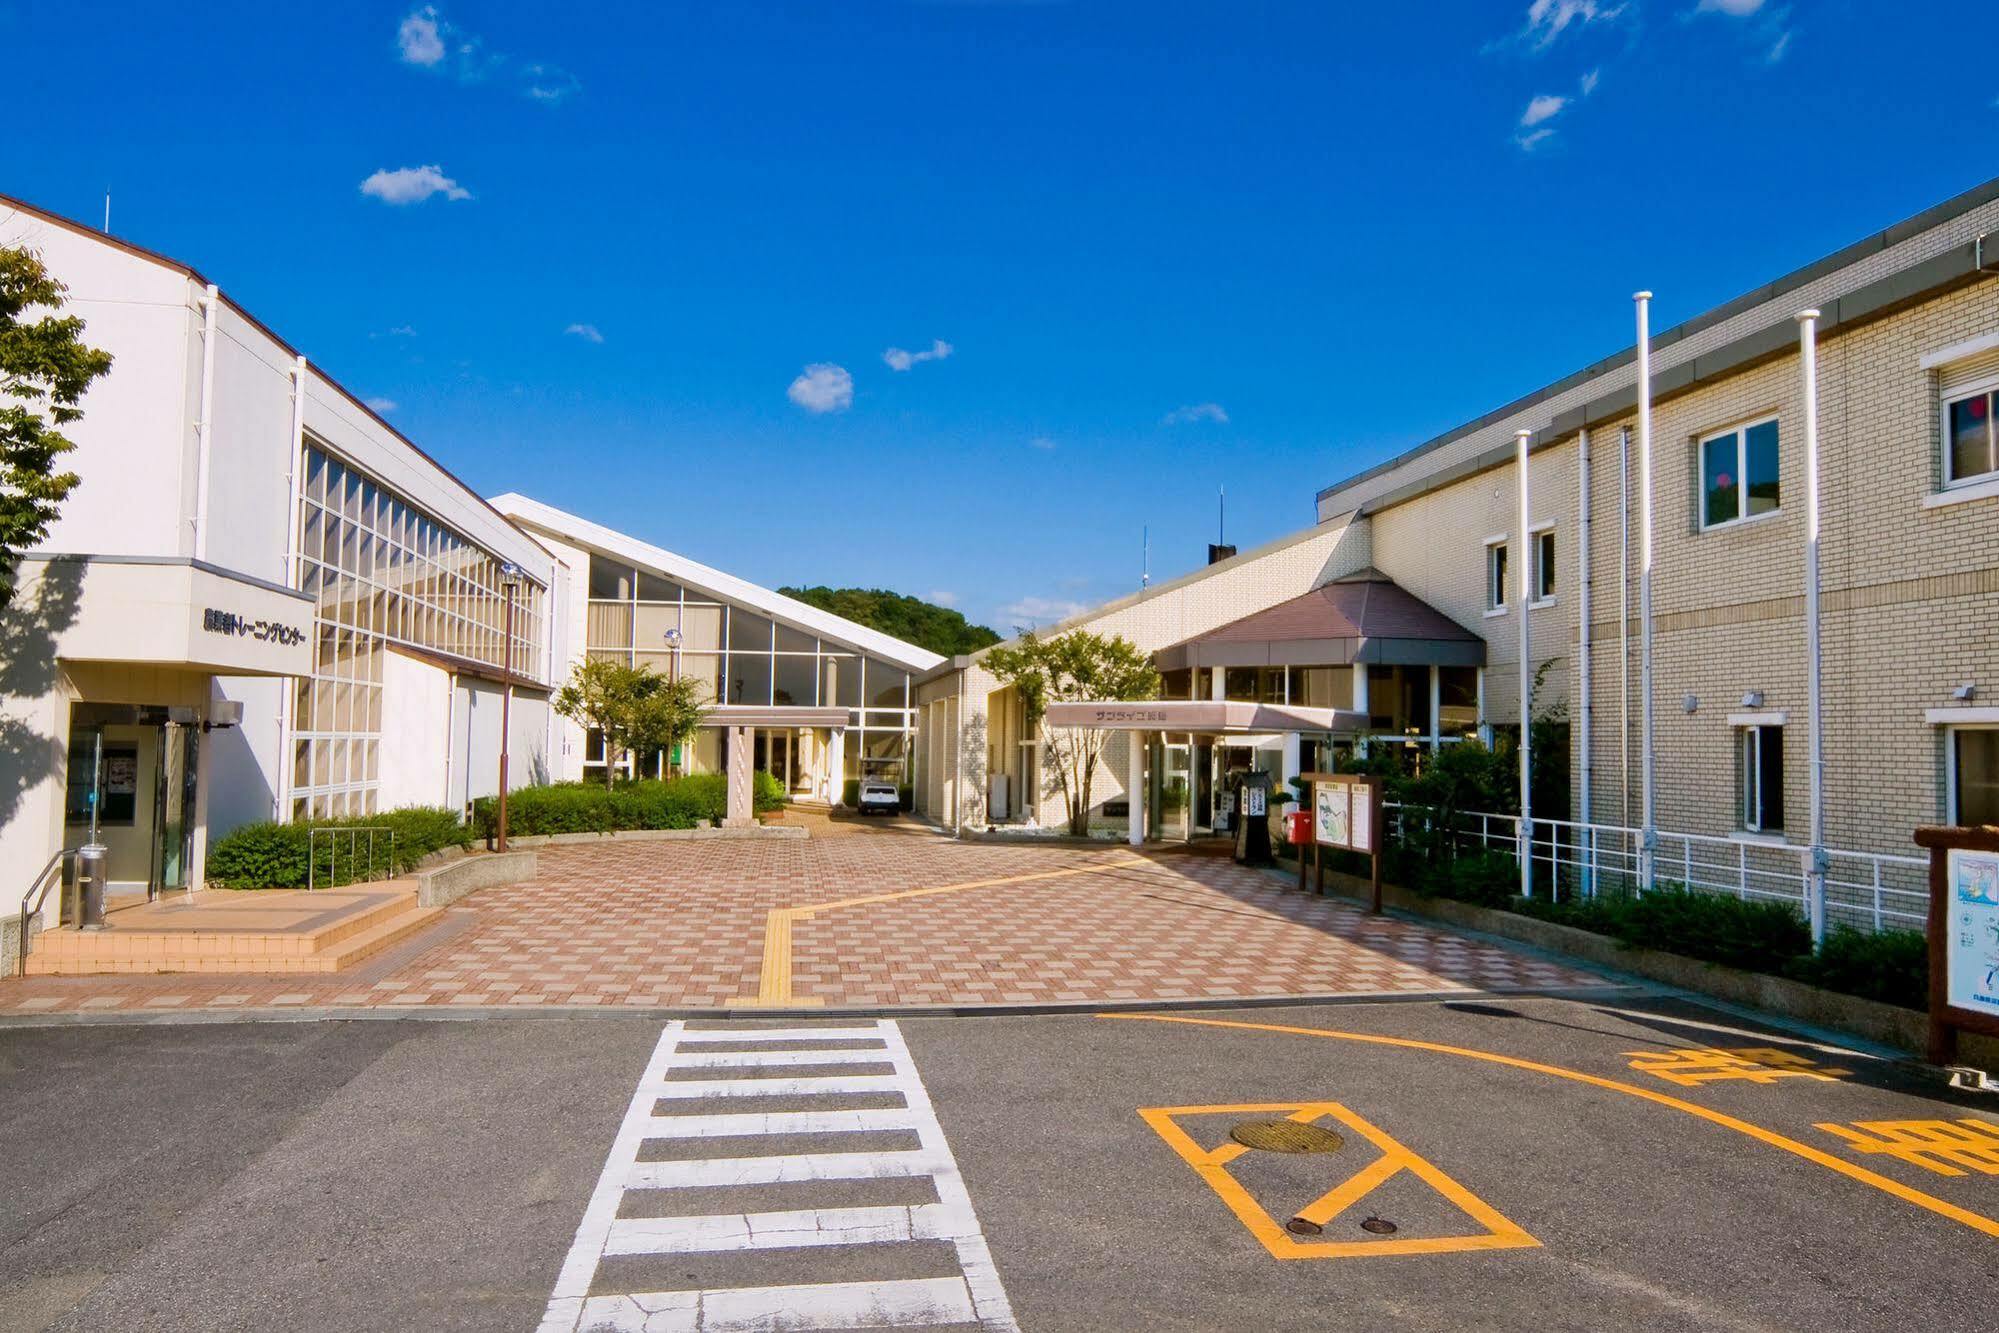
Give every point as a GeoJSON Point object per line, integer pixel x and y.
{"type": "Point", "coordinates": [943, 923]}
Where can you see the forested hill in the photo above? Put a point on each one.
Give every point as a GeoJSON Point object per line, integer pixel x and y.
{"type": "Point", "coordinates": [911, 619]}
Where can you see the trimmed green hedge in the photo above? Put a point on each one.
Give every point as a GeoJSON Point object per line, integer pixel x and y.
{"type": "Point", "coordinates": [586, 807]}
{"type": "Point", "coordinates": [1770, 937]}
{"type": "Point", "coordinates": [277, 856]}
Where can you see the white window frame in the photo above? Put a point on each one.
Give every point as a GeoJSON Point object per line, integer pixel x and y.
{"type": "Point", "coordinates": [1740, 430]}
{"type": "Point", "coordinates": [1543, 577]}
{"type": "Point", "coordinates": [1989, 385]}
{"type": "Point", "coordinates": [1950, 731]}
{"type": "Point", "coordinates": [1749, 781]}
{"type": "Point", "coordinates": [1496, 600]}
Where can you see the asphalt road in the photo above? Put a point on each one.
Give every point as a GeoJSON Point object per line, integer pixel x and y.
{"type": "Point", "coordinates": [399, 1174]}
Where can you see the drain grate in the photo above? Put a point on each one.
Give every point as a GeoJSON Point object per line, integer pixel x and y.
{"type": "Point", "coordinates": [1285, 1136]}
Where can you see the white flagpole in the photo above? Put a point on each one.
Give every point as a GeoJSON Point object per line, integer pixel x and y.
{"type": "Point", "coordinates": [1815, 857]}
{"type": "Point", "coordinates": [1525, 553]}
{"type": "Point", "coordinates": [1648, 835]}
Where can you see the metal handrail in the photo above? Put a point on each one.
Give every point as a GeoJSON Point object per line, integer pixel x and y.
{"type": "Point", "coordinates": [353, 835]}
{"type": "Point", "coordinates": [38, 892]}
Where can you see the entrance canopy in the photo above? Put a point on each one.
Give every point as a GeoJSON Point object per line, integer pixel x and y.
{"type": "Point", "coordinates": [1208, 716]}
{"type": "Point", "coordinates": [740, 720]}
{"type": "Point", "coordinates": [1362, 618]}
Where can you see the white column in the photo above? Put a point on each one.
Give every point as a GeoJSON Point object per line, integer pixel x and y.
{"type": "Point", "coordinates": [1218, 683]}
{"type": "Point", "coordinates": [741, 812]}
{"type": "Point", "coordinates": [1523, 556]}
{"type": "Point", "coordinates": [1815, 863]}
{"type": "Point", "coordinates": [1436, 706]}
{"type": "Point", "coordinates": [836, 765]}
{"type": "Point", "coordinates": [1360, 705]}
{"type": "Point", "coordinates": [1648, 810]}
{"type": "Point", "coordinates": [1585, 705]}
{"type": "Point", "coordinates": [1134, 788]}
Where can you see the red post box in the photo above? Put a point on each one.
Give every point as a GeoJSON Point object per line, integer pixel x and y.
{"type": "Point", "coordinates": [1298, 827]}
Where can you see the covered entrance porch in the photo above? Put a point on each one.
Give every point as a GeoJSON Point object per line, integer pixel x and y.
{"type": "Point", "coordinates": [1181, 754]}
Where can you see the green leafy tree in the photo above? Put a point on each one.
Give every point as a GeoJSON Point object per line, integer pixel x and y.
{"type": "Point", "coordinates": [1076, 667]}
{"type": "Point", "coordinates": [910, 619]}
{"type": "Point", "coordinates": [45, 367]}
{"type": "Point", "coordinates": [638, 710]}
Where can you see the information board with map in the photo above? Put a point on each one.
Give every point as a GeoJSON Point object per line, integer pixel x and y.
{"type": "Point", "coordinates": [1971, 946]}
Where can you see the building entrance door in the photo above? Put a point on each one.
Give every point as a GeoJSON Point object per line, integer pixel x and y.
{"type": "Point", "coordinates": [773, 755]}
{"type": "Point", "coordinates": [131, 786]}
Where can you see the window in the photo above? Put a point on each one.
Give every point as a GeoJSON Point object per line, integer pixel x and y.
{"type": "Point", "coordinates": [1970, 440]}
{"type": "Point", "coordinates": [1544, 565]}
{"type": "Point", "coordinates": [1739, 474]}
{"type": "Point", "coordinates": [1495, 577]}
{"type": "Point", "coordinates": [1974, 774]}
{"type": "Point", "coordinates": [1760, 766]}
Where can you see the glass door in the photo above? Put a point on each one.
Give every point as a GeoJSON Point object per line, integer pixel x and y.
{"type": "Point", "coordinates": [173, 820]}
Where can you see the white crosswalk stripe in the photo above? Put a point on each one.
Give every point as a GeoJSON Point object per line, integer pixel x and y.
{"type": "Point", "coordinates": [698, 1111]}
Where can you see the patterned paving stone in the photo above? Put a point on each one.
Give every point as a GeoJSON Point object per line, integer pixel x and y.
{"type": "Point", "coordinates": [683, 924]}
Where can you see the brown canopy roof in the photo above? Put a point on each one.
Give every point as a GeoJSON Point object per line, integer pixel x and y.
{"type": "Point", "coordinates": [1363, 617]}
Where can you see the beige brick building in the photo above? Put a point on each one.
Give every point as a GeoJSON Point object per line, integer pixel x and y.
{"type": "Point", "coordinates": [1908, 385]}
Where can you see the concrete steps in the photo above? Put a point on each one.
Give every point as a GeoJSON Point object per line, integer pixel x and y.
{"type": "Point", "coordinates": [306, 934]}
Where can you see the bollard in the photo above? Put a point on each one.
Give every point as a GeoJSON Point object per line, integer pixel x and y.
{"type": "Point", "coordinates": [91, 866]}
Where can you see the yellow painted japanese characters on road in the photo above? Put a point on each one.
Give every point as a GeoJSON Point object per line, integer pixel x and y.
{"type": "Point", "coordinates": [1349, 1187]}
{"type": "Point", "coordinates": [1949, 1148]}
{"type": "Point", "coordinates": [1747, 1064]}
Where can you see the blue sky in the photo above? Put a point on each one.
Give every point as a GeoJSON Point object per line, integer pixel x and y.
{"type": "Point", "coordinates": [594, 252]}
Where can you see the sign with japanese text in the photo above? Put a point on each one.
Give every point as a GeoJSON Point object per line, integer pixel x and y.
{"type": "Point", "coordinates": [1971, 946]}
{"type": "Point", "coordinates": [1343, 812]}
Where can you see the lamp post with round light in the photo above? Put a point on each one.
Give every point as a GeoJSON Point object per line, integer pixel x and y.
{"type": "Point", "coordinates": [672, 637]}
{"type": "Point", "coordinates": [510, 582]}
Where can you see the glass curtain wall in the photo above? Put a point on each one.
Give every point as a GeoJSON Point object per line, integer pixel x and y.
{"type": "Point", "coordinates": [740, 656]}
{"type": "Point", "coordinates": [382, 571]}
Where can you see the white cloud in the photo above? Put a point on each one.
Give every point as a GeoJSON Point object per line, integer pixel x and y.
{"type": "Point", "coordinates": [1733, 8]}
{"type": "Point", "coordinates": [412, 185]}
{"type": "Point", "coordinates": [1534, 139]}
{"type": "Point", "coordinates": [381, 406]}
{"type": "Point", "coordinates": [1545, 107]}
{"type": "Point", "coordinates": [897, 359]}
{"type": "Point", "coordinates": [428, 40]}
{"type": "Point", "coordinates": [1590, 80]}
{"type": "Point", "coordinates": [399, 331]}
{"type": "Point", "coordinates": [823, 387]}
{"type": "Point", "coordinates": [418, 39]}
{"type": "Point", "coordinates": [1547, 20]}
{"type": "Point", "coordinates": [1181, 416]}
{"type": "Point", "coordinates": [942, 596]}
{"type": "Point", "coordinates": [1041, 442]}
{"type": "Point", "coordinates": [1033, 611]}
{"type": "Point", "coordinates": [587, 332]}
{"type": "Point", "coordinates": [1778, 47]}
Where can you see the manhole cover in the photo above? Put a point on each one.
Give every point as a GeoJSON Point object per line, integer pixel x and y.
{"type": "Point", "coordinates": [1380, 1226]}
{"type": "Point", "coordinates": [1285, 1136]}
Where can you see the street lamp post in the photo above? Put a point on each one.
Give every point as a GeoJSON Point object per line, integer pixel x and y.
{"type": "Point", "coordinates": [673, 676]}
{"type": "Point", "coordinates": [510, 581]}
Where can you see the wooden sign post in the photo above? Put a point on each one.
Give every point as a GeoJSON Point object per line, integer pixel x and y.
{"type": "Point", "coordinates": [1964, 935]}
{"type": "Point", "coordinates": [1346, 816]}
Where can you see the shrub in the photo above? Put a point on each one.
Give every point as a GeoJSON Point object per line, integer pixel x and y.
{"type": "Point", "coordinates": [1487, 878]}
{"type": "Point", "coordinates": [287, 856]}
{"type": "Point", "coordinates": [1717, 927]}
{"type": "Point", "coordinates": [1892, 967]}
{"type": "Point", "coordinates": [585, 807]}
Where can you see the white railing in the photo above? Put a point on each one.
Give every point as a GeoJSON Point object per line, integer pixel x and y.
{"type": "Point", "coordinates": [1866, 890]}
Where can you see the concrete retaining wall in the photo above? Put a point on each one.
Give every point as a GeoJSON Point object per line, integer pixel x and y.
{"type": "Point", "coordinates": [448, 883]}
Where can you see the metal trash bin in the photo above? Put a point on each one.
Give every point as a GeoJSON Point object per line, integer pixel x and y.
{"type": "Point", "coordinates": [92, 866]}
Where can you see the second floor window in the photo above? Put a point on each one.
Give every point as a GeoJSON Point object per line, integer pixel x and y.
{"type": "Point", "coordinates": [1544, 565]}
{"type": "Point", "coordinates": [1495, 576]}
{"type": "Point", "coordinates": [1971, 440]}
{"type": "Point", "coordinates": [1738, 473]}
{"type": "Point", "coordinates": [1761, 769]}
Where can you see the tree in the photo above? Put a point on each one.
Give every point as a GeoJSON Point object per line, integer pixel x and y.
{"type": "Point", "coordinates": [910, 619]}
{"type": "Point", "coordinates": [45, 367]}
{"type": "Point", "coordinates": [1076, 667]}
{"type": "Point", "coordinates": [636, 708]}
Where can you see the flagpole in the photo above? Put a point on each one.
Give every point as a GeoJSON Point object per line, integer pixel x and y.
{"type": "Point", "coordinates": [1526, 562]}
{"type": "Point", "coordinates": [1648, 835]}
{"type": "Point", "coordinates": [1815, 857]}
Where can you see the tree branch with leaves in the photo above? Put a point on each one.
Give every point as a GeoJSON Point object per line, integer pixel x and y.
{"type": "Point", "coordinates": [637, 709]}
{"type": "Point", "coordinates": [45, 367]}
{"type": "Point", "coordinates": [1076, 667]}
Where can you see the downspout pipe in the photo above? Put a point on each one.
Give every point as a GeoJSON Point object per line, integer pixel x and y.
{"type": "Point", "coordinates": [289, 577]}
{"type": "Point", "coordinates": [1521, 440]}
{"type": "Point", "coordinates": [1586, 705]}
{"type": "Point", "coordinates": [204, 423]}
{"type": "Point", "coordinates": [1815, 856]}
{"type": "Point", "coordinates": [1624, 625]}
{"type": "Point", "coordinates": [1648, 833]}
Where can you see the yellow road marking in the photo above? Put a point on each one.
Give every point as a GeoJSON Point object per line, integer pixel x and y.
{"type": "Point", "coordinates": [1695, 1065]}
{"type": "Point", "coordinates": [1976, 1221]}
{"type": "Point", "coordinates": [1934, 1145]}
{"type": "Point", "coordinates": [1212, 1166]}
{"type": "Point", "coordinates": [774, 981]}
